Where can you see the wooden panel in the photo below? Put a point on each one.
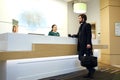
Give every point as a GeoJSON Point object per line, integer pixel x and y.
{"type": "Point", "coordinates": [45, 50]}
{"type": "Point", "coordinates": [104, 4]}
{"type": "Point", "coordinates": [41, 50]}
{"type": "Point", "coordinates": [114, 3]}
{"type": "Point", "coordinates": [64, 49]}
{"type": "Point", "coordinates": [110, 10]}
{"type": "Point", "coordinates": [115, 59]}
{"type": "Point", "coordinates": [100, 46]}
{"type": "Point", "coordinates": [105, 58]}
{"type": "Point", "coordinates": [25, 55]}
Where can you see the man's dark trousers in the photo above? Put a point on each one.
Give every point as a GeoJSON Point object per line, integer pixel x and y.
{"type": "Point", "coordinates": [87, 52]}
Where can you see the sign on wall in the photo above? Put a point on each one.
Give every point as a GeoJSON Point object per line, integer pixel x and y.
{"type": "Point", "coordinates": [117, 29]}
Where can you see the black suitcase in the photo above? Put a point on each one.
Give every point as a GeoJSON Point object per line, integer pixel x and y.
{"type": "Point", "coordinates": [89, 61]}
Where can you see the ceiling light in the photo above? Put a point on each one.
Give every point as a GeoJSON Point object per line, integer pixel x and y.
{"type": "Point", "coordinates": [80, 7]}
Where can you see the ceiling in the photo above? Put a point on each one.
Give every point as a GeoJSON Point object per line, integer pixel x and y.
{"type": "Point", "coordinates": [68, 0]}
{"type": "Point", "coordinates": [76, 0]}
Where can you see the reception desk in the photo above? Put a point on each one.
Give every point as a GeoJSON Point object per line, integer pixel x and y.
{"type": "Point", "coordinates": [23, 42]}
{"type": "Point", "coordinates": [33, 57]}
{"type": "Point", "coordinates": [22, 46]}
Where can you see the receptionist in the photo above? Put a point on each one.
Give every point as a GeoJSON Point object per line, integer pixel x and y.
{"type": "Point", "coordinates": [53, 31]}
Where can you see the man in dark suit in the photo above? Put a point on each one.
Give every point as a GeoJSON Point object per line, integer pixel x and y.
{"type": "Point", "coordinates": [84, 46]}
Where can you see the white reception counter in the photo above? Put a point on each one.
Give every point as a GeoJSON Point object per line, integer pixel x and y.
{"type": "Point", "coordinates": [23, 42]}
{"type": "Point", "coordinates": [33, 57]}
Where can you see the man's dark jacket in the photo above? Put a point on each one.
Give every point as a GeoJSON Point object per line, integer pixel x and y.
{"type": "Point", "coordinates": [84, 36]}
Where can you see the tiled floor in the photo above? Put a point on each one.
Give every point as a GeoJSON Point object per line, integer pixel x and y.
{"type": "Point", "coordinates": [99, 75]}
{"type": "Point", "coordinates": [105, 72]}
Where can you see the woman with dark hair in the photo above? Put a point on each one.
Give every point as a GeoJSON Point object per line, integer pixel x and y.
{"type": "Point", "coordinates": [54, 32]}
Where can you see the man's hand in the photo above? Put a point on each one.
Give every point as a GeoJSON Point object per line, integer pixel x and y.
{"type": "Point", "coordinates": [69, 35]}
{"type": "Point", "coordinates": [88, 46]}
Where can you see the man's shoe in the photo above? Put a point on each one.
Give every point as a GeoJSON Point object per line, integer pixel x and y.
{"type": "Point", "coordinates": [86, 76]}
{"type": "Point", "coordinates": [91, 77]}
{"type": "Point", "coordinates": [92, 74]}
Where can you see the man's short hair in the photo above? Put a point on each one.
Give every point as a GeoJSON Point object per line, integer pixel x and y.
{"type": "Point", "coordinates": [83, 16]}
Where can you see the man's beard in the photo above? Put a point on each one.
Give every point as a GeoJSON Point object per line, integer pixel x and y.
{"type": "Point", "coordinates": [80, 22]}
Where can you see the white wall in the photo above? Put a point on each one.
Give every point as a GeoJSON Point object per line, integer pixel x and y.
{"type": "Point", "coordinates": [56, 11]}
{"type": "Point", "coordinates": [40, 14]}
{"type": "Point", "coordinates": [93, 15]}
{"type": "Point", "coordinates": [73, 24]}
{"type": "Point", "coordinates": [5, 21]}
